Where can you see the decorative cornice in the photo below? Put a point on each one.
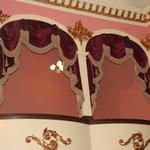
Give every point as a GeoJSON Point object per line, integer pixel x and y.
{"type": "Point", "coordinates": [50, 140]}
{"type": "Point", "coordinates": [100, 10]}
{"type": "Point", "coordinates": [3, 17]}
{"type": "Point", "coordinates": [146, 41]}
{"type": "Point", "coordinates": [80, 32]}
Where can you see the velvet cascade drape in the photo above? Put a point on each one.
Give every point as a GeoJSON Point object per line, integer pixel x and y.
{"type": "Point", "coordinates": [117, 49]}
{"type": "Point", "coordinates": [39, 37]}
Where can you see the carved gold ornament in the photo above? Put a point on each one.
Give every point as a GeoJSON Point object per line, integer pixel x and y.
{"type": "Point", "coordinates": [3, 17]}
{"type": "Point", "coordinates": [146, 41]}
{"type": "Point", "coordinates": [50, 140]}
{"type": "Point", "coordinates": [80, 32]}
{"type": "Point", "coordinates": [137, 140]}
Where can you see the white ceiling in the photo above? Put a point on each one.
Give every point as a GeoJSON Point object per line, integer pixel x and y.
{"type": "Point", "coordinates": [139, 3]}
{"type": "Point", "coordinates": [133, 5]}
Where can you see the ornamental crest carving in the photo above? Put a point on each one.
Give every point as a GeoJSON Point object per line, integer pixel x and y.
{"type": "Point", "coordinates": [3, 17]}
{"type": "Point", "coordinates": [137, 141]}
{"type": "Point", "coordinates": [80, 32]}
{"type": "Point", "coordinates": [146, 41]}
{"type": "Point", "coordinates": [50, 141]}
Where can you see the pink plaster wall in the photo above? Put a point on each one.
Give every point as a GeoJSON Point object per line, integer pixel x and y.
{"type": "Point", "coordinates": [26, 90]}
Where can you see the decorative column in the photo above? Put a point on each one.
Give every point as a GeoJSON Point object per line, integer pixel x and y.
{"type": "Point", "coordinates": [86, 108]}
{"type": "Point", "coordinates": [81, 35]}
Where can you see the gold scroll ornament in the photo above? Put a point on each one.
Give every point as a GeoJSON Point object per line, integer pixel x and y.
{"type": "Point", "coordinates": [78, 31]}
{"type": "Point", "coordinates": [50, 140]}
{"type": "Point", "coordinates": [3, 17]}
{"type": "Point", "coordinates": [137, 140]}
{"type": "Point", "coordinates": [146, 41]}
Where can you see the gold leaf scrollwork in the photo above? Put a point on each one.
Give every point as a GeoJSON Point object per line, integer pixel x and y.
{"type": "Point", "coordinates": [146, 41]}
{"type": "Point", "coordinates": [50, 140]}
{"type": "Point", "coordinates": [3, 17]}
{"type": "Point", "coordinates": [80, 32]}
{"type": "Point", "coordinates": [137, 140]}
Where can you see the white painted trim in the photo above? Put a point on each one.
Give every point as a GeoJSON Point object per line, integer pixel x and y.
{"type": "Point", "coordinates": [86, 106]}
{"type": "Point", "coordinates": [84, 13]}
{"type": "Point", "coordinates": [82, 56]}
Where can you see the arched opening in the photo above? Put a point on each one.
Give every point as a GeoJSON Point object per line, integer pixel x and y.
{"type": "Point", "coordinates": [118, 50]}
{"type": "Point", "coordinates": [39, 37]}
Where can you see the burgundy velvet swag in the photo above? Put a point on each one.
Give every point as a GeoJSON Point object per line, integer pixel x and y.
{"type": "Point", "coordinates": [39, 37]}
{"type": "Point", "coordinates": [117, 49]}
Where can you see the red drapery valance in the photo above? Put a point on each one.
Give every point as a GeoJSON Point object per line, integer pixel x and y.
{"type": "Point", "coordinates": [117, 49]}
{"type": "Point", "coordinates": [39, 37]}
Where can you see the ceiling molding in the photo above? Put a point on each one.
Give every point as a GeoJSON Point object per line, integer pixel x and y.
{"type": "Point", "coordinates": [147, 9]}
{"type": "Point", "coordinates": [95, 10]}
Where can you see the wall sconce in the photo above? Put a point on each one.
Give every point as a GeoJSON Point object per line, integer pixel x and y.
{"type": "Point", "coordinates": [58, 67]}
